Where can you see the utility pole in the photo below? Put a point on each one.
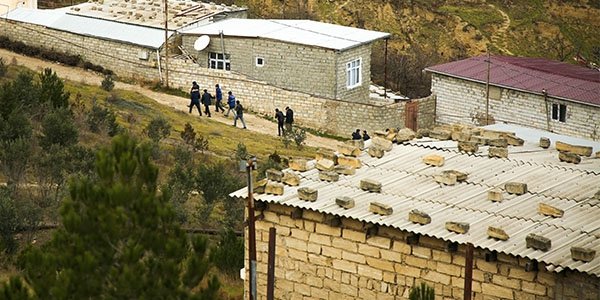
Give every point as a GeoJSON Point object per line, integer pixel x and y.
{"type": "Point", "coordinates": [385, 69]}
{"type": "Point", "coordinates": [166, 43]}
{"type": "Point", "coordinates": [251, 233]}
{"type": "Point", "coordinates": [468, 272]}
{"type": "Point", "coordinates": [487, 91]}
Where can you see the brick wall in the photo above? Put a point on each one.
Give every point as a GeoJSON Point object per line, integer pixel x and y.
{"type": "Point", "coordinates": [341, 261]}
{"type": "Point", "coordinates": [460, 101]}
{"type": "Point", "coordinates": [334, 116]}
{"type": "Point", "coordinates": [122, 58]}
{"type": "Point", "coordinates": [313, 70]}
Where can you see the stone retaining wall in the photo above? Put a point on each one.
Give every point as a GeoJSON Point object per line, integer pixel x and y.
{"type": "Point", "coordinates": [462, 101]}
{"type": "Point", "coordinates": [320, 256]}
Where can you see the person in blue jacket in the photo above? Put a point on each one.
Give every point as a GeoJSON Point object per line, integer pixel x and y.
{"type": "Point", "coordinates": [231, 104]}
{"type": "Point", "coordinates": [206, 96]}
{"type": "Point", "coordinates": [195, 98]}
{"type": "Point", "coordinates": [219, 99]}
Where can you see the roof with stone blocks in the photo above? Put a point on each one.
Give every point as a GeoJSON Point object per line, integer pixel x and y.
{"type": "Point", "coordinates": [534, 75]}
{"type": "Point", "coordinates": [408, 184]}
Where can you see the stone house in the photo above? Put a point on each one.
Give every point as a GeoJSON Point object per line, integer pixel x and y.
{"type": "Point", "coordinates": [534, 92]}
{"type": "Point", "coordinates": [354, 226]}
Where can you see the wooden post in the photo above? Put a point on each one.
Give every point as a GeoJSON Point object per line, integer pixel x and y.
{"type": "Point", "coordinates": [251, 235]}
{"type": "Point", "coordinates": [385, 69]}
{"type": "Point", "coordinates": [271, 265]}
{"type": "Point", "coordinates": [487, 91]}
{"type": "Point", "coordinates": [468, 272]}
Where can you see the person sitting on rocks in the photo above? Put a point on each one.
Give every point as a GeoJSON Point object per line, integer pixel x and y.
{"type": "Point", "coordinates": [356, 135]}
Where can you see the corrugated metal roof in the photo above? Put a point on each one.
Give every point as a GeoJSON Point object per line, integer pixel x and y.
{"type": "Point", "coordinates": [407, 184]}
{"type": "Point", "coordinates": [304, 32]}
{"type": "Point", "coordinates": [59, 19]}
{"type": "Point", "coordinates": [559, 79]}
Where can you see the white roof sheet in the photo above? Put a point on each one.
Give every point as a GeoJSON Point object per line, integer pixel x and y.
{"type": "Point", "coordinates": [305, 32]}
{"type": "Point", "coordinates": [407, 184]}
{"type": "Point", "coordinates": [59, 19]}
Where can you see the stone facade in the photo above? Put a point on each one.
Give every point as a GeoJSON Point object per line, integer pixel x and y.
{"type": "Point", "coordinates": [463, 101]}
{"type": "Point", "coordinates": [313, 70]}
{"type": "Point", "coordinates": [324, 257]}
{"type": "Point", "coordinates": [122, 58]}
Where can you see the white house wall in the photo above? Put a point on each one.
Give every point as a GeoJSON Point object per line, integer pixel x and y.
{"type": "Point", "coordinates": [462, 101]}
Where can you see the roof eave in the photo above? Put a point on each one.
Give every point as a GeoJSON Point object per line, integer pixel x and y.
{"type": "Point", "coordinates": [511, 87]}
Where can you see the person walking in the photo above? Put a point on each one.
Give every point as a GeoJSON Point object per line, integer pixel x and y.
{"type": "Point", "coordinates": [219, 98]}
{"type": "Point", "coordinates": [365, 136]}
{"type": "Point", "coordinates": [356, 135]}
{"type": "Point", "coordinates": [195, 98]}
{"type": "Point", "coordinates": [289, 118]}
{"type": "Point", "coordinates": [206, 96]}
{"type": "Point", "coordinates": [280, 119]}
{"type": "Point", "coordinates": [231, 104]}
{"type": "Point", "coordinates": [239, 114]}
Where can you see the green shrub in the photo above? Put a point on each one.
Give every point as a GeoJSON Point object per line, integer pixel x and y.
{"type": "Point", "coordinates": [8, 222]}
{"type": "Point", "coordinates": [102, 119]}
{"type": "Point", "coordinates": [107, 83]}
{"type": "Point", "coordinates": [422, 292]}
{"type": "Point", "coordinates": [58, 128]}
{"type": "Point", "coordinates": [158, 129]}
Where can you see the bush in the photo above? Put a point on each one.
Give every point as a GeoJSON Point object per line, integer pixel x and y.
{"type": "Point", "coordinates": [241, 153]}
{"type": "Point", "coordinates": [199, 143]}
{"type": "Point", "coordinates": [295, 135]}
{"type": "Point", "coordinates": [228, 256]}
{"type": "Point", "coordinates": [108, 84]}
{"type": "Point", "coordinates": [158, 129]}
{"type": "Point", "coordinates": [422, 292]}
{"type": "Point", "coordinates": [8, 222]}
{"type": "Point", "coordinates": [58, 128]}
{"type": "Point", "coordinates": [102, 119]}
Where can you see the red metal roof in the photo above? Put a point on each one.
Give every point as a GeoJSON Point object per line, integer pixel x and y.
{"type": "Point", "coordinates": [559, 79]}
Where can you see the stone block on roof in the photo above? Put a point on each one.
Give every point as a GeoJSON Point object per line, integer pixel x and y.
{"type": "Point", "coordinates": [434, 160]}
{"type": "Point", "coordinates": [344, 170]}
{"type": "Point", "coordinates": [496, 195]}
{"type": "Point", "coordinates": [497, 152]}
{"type": "Point", "coordinates": [460, 176]}
{"type": "Point", "coordinates": [274, 175]}
{"type": "Point", "coordinates": [353, 162]}
{"type": "Point", "coordinates": [538, 242]}
{"type": "Point", "coordinates": [569, 157]}
{"type": "Point", "coordinates": [422, 132]}
{"type": "Point", "coordinates": [349, 150]}
{"type": "Point", "coordinates": [259, 186]}
{"type": "Point", "coordinates": [327, 154]}
{"type": "Point", "coordinates": [375, 151]}
{"type": "Point", "coordinates": [325, 164]}
{"type": "Point", "coordinates": [517, 188]}
{"type": "Point", "coordinates": [445, 178]}
{"type": "Point", "coordinates": [575, 149]}
{"type": "Point", "coordinates": [381, 143]}
{"type": "Point", "coordinates": [308, 194]}
{"type": "Point", "coordinates": [290, 178]}
{"type": "Point", "coordinates": [497, 233]}
{"type": "Point", "coordinates": [274, 188]}
{"type": "Point", "coordinates": [405, 135]}
{"type": "Point", "coordinates": [583, 254]}
{"type": "Point", "coordinates": [549, 210]}
{"type": "Point", "coordinates": [457, 227]}
{"type": "Point", "coordinates": [469, 147]}
{"type": "Point", "coordinates": [298, 164]}
{"type": "Point", "coordinates": [513, 140]}
{"type": "Point", "coordinates": [545, 142]}
{"type": "Point", "coordinates": [360, 144]}
{"type": "Point", "coordinates": [329, 176]}
{"type": "Point", "coordinates": [500, 142]}
{"type": "Point", "coordinates": [345, 202]}
{"type": "Point", "coordinates": [380, 208]}
{"type": "Point", "coordinates": [440, 133]}
{"type": "Point", "coordinates": [370, 185]}
{"type": "Point", "coordinates": [419, 217]}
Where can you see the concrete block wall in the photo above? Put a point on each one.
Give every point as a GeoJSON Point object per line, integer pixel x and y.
{"type": "Point", "coordinates": [460, 101]}
{"type": "Point", "coordinates": [329, 115]}
{"type": "Point", "coordinates": [120, 57]}
{"type": "Point", "coordinates": [319, 261]}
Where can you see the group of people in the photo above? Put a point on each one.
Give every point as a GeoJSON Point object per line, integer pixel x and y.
{"type": "Point", "coordinates": [357, 136]}
{"type": "Point", "coordinates": [287, 119]}
{"type": "Point", "coordinates": [206, 99]}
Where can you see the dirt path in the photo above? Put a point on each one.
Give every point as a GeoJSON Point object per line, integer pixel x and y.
{"type": "Point", "coordinates": [253, 122]}
{"type": "Point", "coordinates": [499, 37]}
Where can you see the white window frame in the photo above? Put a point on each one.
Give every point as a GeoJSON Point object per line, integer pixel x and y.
{"type": "Point", "coordinates": [354, 73]}
{"type": "Point", "coordinates": [259, 64]}
{"type": "Point", "coordinates": [215, 58]}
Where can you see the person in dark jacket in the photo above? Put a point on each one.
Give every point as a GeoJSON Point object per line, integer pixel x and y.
{"type": "Point", "coordinates": [280, 119]}
{"type": "Point", "coordinates": [239, 114]}
{"type": "Point", "coordinates": [231, 104]}
{"type": "Point", "coordinates": [289, 118]}
{"type": "Point", "coordinates": [356, 135]}
{"type": "Point", "coordinates": [195, 98]}
{"type": "Point", "coordinates": [218, 99]}
{"type": "Point", "coordinates": [365, 136]}
{"type": "Point", "coordinates": [206, 96]}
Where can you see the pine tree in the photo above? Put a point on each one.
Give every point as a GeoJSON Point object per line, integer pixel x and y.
{"type": "Point", "coordinates": [119, 238]}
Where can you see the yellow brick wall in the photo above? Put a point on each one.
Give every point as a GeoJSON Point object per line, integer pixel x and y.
{"type": "Point", "coordinates": [317, 261]}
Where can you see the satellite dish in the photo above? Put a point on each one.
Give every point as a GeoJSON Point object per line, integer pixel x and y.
{"type": "Point", "coordinates": [201, 42]}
